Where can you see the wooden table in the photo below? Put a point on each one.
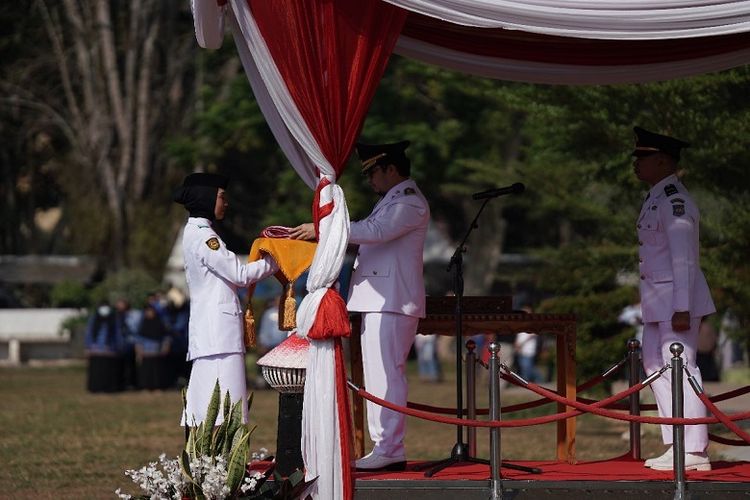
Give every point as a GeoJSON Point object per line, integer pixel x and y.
{"type": "Point", "coordinates": [563, 326]}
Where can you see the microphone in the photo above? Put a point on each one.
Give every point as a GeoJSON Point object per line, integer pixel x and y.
{"type": "Point", "coordinates": [495, 192]}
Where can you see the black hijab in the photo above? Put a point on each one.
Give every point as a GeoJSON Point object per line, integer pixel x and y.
{"type": "Point", "coordinates": [152, 327]}
{"type": "Point", "coordinates": [198, 193]}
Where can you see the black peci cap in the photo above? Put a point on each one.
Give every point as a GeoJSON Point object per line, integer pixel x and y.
{"type": "Point", "coordinates": [648, 143]}
{"type": "Point", "coordinates": [372, 155]}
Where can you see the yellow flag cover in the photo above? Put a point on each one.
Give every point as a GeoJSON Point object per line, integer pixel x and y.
{"type": "Point", "coordinates": [294, 257]}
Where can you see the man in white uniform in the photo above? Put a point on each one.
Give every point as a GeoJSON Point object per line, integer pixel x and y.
{"type": "Point", "coordinates": [387, 287]}
{"type": "Point", "coordinates": [215, 329]}
{"type": "Point", "coordinates": [674, 293]}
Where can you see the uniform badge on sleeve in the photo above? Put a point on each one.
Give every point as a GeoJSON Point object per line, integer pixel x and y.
{"type": "Point", "coordinates": [409, 191]}
{"type": "Point", "coordinates": [213, 243]}
{"type": "Point", "coordinates": [670, 189]}
{"type": "Point", "coordinates": [678, 210]}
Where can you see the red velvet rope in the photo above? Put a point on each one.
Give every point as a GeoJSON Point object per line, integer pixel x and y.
{"type": "Point", "coordinates": [632, 418]}
{"type": "Point", "coordinates": [723, 417]}
{"type": "Point", "coordinates": [730, 394]}
{"type": "Point", "coordinates": [482, 423]}
{"type": "Point", "coordinates": [580, 409]}
{"type": "Point", "coordinates": [442, 410]}
{"type": "Point", "coordinates": [723, 440]}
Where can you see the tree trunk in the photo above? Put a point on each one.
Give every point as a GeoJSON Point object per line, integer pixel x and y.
{"type": "Point", "coordinates": [489, 238]}
{"type": "Point", "coordinates": [121, 92]}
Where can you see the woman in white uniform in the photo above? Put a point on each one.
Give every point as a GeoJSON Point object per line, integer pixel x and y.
{"type": "Point", "coordinates": [214, 273]}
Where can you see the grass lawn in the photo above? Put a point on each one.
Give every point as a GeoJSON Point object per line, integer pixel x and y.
{"type": "Point", "coordinates": [58, 441]}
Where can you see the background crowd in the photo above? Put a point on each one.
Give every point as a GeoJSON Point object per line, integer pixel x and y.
{"type": "Point", "coordinates": [146, 348]}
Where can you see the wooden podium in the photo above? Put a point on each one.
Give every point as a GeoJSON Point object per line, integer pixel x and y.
{"type": "Point", "coordinates": [488, 315]}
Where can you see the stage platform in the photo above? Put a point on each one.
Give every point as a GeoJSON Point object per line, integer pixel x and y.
{"type": "Point", "coordinates": [619, 478]}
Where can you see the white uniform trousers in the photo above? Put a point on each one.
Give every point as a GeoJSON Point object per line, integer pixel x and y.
{"type": "Point", "coordinates": [386, 340]}
{"type": "Point", "coordinates": [657, 337]}
{"type": "Point", "coordinates": [229, 370]}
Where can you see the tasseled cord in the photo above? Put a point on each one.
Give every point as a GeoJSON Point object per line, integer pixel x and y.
{"type": "Point", "coordinates": [288, 309]}
{"type": "Point", "coordinates": [287, 315]}
{"type": "Point", "coordinates": [249, 327]}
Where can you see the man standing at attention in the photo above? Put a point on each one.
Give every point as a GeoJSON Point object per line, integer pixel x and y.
{"type": "Point", "coordinates": [216, 343]}
{"type": "Point", "coordinates": [674, 292]}
{"type": "Point", "coordinates": [387, 287]}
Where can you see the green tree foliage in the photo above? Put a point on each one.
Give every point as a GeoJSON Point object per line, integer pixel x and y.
{"type": "Point", "coordinates": [69, 294]}
{"type": "Point", "coordinates": [569, 145]}
{"type": "Point", "coordinates": [93, 88]}
{"type": "Point", "coordinates": [586, 133]}
{"type": "Point", "coordinates": [133, 285]}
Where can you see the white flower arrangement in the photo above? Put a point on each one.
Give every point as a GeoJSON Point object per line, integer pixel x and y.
{"type": "Point", "coordinates": [170, 483]}
{"type": "Point", "coordinates": [213, 465]}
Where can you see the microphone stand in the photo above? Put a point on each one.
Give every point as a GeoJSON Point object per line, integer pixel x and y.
{"type": "Point", "coordinates": [460, 451]}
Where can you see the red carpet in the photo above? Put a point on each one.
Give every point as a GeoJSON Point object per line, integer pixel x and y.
{"type": "Point", "coordinates": [616, 469]}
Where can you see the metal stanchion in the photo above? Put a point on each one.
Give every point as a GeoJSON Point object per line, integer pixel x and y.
{"type": "Point", "coordinates": [471, 396]}
{"type": "Point", "coordinates": [495, 455]}
{"type": "Point", "coordinates": [634, 354]}
{"type": "Point", "coordinates": [678, 431]}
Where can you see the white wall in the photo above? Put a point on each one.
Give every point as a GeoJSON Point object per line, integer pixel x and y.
{"type": "Point", "coordinates": [34, 333]}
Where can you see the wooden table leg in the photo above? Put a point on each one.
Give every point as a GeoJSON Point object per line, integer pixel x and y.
{"type": "Point", "coordinates": [355, 356]}
{"type": "Point", "coordinates": [566, 385]}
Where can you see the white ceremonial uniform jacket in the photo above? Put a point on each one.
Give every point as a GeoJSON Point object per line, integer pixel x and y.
{"type": "Point", "coordinates": [387, 274]}
{"type": "Point", "coordinates": [213, 277]}
{"type": "Point", "coordinates": [671, 278]}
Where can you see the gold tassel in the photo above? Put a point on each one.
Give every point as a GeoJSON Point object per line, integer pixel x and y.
{"type": "Point", "coordinates": [287, 309]}
{"type": "Point", "coordinates": [249, 327]}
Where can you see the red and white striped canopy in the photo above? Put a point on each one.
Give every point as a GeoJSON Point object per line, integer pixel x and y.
{"type": "Point", "coordinates": [314, 66]}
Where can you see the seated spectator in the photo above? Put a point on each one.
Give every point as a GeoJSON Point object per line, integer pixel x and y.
{"type": "Point", "coordinates": [104, 345]}
{"type": "Point", "coordinates": [151, 349]}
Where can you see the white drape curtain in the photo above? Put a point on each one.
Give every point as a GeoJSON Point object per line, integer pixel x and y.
{"type": "Point", "coordinates": [321, 442]}
{"type": "Point", "coordinates": [564, 74]}
{"type": "Point", "coordinates": [598, 19]}
{"type": "Point", "coordinates": [208, 20]}
{"type": "Point", "coordinates": [289, 124]}
{"type": "Point", "coordinates": [321, 450]}
{"type": "Point", "coordinates": [601, 19]}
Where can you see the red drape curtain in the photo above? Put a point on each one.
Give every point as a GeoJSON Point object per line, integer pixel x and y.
{"type": "Point", "coordinates": [332, 81]}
